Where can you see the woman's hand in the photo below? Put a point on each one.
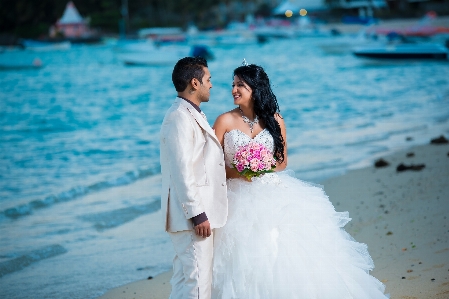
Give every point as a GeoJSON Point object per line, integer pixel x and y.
{"type": "Point", "coordinates": [232, 173]}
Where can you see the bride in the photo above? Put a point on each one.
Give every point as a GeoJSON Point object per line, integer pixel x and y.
{"type": "Point", "coordinates": [283, 238]}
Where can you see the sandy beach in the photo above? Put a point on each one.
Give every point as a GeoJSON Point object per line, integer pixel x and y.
{"type": "Point", "coordinates": [401, 215]}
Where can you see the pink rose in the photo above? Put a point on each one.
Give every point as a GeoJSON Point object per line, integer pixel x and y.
{"type": "Point", "coordinates": [254, 164]}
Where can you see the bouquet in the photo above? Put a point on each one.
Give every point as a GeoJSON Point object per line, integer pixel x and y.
{"type": "Point", "coordinates": [253, 159]}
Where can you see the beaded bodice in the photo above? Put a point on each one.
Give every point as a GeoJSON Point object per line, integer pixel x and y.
{"type": "Point", "coordinates": [236, 138]}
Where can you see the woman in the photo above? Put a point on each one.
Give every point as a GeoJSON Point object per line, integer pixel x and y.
{"type": "Point", "coordinates": [283, 238]}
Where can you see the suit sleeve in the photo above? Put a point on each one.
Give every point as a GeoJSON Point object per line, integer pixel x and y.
{"type": "Point", "coordinates": [180, 144]}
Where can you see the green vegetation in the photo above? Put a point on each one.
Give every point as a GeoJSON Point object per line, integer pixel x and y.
{"type": "Point", "coordinates": [30, 18]}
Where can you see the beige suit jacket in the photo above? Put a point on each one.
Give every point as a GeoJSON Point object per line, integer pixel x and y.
{"type": "Point", "coordinates": [193, 171]}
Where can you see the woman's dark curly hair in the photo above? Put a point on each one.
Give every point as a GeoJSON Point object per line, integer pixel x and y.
{"type": "Point", "coordinates": [265, 103]}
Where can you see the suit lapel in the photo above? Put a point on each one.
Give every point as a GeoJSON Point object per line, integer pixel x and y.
{"type": "Point", "coordinates": [199, 119]}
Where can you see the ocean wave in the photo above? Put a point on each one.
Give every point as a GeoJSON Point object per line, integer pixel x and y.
{"type": "Point", "coordinates": [336, 163]}
{"type": "Point", "coordinates": [381, 137]}
{"type": "Point", "coordinates": [114, 218]}
{"type": "Point", "coordinates": [368, 139]}
{"type": "Point", "coordinates": [74, 193]}
{"type": "Point", "coordinates": [29, 258]}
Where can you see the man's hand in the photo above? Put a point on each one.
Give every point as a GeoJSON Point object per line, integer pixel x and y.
{"type": "Point", "coordinates": [203, 229]}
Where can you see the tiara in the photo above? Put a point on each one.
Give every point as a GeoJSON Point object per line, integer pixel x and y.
{"type": "Point", "coordinates": [244, 63]}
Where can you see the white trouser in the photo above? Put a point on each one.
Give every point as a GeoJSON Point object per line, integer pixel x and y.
{"type": "Point", "coordinates": [192, 265]}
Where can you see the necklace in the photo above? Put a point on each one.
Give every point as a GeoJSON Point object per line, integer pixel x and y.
{"type": "Point", "coordinates": [251, 123]}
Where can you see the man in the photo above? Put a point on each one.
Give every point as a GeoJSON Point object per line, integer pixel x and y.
{"type": "Point", "coordinates": [194, 200]}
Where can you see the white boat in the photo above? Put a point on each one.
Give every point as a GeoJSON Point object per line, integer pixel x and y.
{"type": "Point", "coordinates": [275, 32]}
{"type": "Point", "coordinates": [147, 53]}
{"type": "Point", "coordinates": [131, 46]}
{"type": "Point", "coordinates": [345, 43]}
{"type": "Point", "coordinates": [158, 57]}
{"type": "Point", "coordinates": [222, 38]}
{"type": "Point", "coordinates": [163, 35]}
{"type": "Point", "coordinates": [41, 46]}
{"type": "Point", "coordinates": [404, 51]}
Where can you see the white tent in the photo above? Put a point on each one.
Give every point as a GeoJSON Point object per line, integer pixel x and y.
{"type": "Point", "coordinates": [296, 5]}
{"type": "Point", "coordinates": [71, 15]}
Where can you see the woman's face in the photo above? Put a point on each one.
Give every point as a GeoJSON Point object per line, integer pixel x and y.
{"type": "Point", "coordinates": [241, 92]}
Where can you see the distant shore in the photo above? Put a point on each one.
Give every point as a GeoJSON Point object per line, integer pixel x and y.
{"type": "Point", "coordinates": [401, 215]}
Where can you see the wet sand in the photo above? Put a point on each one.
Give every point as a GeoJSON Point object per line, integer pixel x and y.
{"type": "Point", "coordinates": [403, 217]}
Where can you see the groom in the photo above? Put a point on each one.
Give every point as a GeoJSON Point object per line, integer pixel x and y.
{"type": "Point", "coordinates": [194, 200]}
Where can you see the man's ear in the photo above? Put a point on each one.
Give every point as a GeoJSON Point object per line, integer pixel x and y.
{"type": "Point", "coordinates": [195, 83]}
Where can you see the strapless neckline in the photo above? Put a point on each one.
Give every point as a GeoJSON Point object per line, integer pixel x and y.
{"type": "Point", "coordinates": [252, 138]}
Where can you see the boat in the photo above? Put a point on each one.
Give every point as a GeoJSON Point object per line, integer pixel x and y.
{"type": "Point", "coordinates": [224, 38]}
{"type": "Point", "coordinates": [131, 46]}
{"type": "Point", "coordinates": [170, 35]}
{"type": "Point", "coordinates": [41, 46]}
{"type": "Point", "coordinates": [404, 51]}
{"type": "Point", "coordinates": [147, 53]}
{"type": "Point", "coordinates": [235, 34]}
{"type": "Point", "coordinates": [342, 44]}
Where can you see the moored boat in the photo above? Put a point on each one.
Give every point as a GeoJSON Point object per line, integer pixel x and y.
{"type": "Point", "coordinates": [34, 45]}
{"type": "Point", "coordinates": [162, 55]}
{"type": "Point", "coordinates": [404, 51]}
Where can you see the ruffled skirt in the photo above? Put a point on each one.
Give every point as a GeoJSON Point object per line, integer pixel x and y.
{"type": "Point", "coordinates": [284, 239]}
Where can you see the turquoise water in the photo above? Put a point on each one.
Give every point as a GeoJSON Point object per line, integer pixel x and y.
{"type": "Point", "coordinates": [79, 163]}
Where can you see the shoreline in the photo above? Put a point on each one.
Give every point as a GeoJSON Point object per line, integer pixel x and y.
{"type": "Point", "coordinates": [400, 215]}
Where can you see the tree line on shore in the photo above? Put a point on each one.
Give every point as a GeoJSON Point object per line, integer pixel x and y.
{"type": "Point", "coordinates": [30, 18]}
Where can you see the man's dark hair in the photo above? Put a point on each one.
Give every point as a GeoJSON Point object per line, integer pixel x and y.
{"type": "Point", "coordinates": [186, 69]}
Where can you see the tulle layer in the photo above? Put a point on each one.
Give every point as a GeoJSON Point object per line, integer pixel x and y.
{"type": "Point", "coordinates": [284, 239]}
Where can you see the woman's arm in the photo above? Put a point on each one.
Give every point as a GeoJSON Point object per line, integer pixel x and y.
{"type": "Point", "coordinates": [221, 127]}
{"type": "Point", "coordinates": [232, 173]}
{"type": "Point", "coordinates": [280, 120]}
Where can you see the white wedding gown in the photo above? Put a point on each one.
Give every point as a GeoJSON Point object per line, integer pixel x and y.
{"type": "Point", "coordinates": [283, 239]}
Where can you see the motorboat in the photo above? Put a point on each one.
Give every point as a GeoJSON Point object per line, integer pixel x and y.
{"type": "Point", "coordinates": [223, 38]}
{"type": "Point", "coordinates": [345, 43]}
{"type": "Point", "coordinates": [147, 53]}
{"type": "Point", "coordinates": [404, 51]}
{"type": "Point", "coordinates": [43, 46]}
{"type": "Point", "coordinates": [159, 35]}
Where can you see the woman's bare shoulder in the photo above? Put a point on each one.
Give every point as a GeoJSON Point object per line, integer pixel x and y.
{"type": "Point", "coordinates": [226, 118]}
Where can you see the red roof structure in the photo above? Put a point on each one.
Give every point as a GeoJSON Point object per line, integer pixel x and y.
{"type": "Point", "coordinates": [71, 24]}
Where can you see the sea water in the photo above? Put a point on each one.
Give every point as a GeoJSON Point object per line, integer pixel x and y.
{"type": "Point", "coordinates": [79, 140]}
